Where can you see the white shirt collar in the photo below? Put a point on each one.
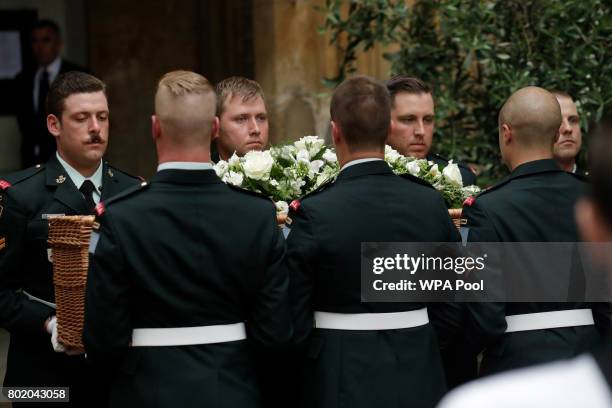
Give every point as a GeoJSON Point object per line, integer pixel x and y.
{"type": "Point", "coordinates": [359, 161]}
{"type": "Point", "coordinates": [78, 179]}
{"type": "Point", "coordinates": [185, 166]}
{"type": "Point", "coordinates": [574, 168]}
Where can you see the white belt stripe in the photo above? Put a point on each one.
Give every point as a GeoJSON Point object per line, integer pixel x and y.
{"type": "Point", "coordinates": [184, 336]}
{"type": "Point", "coordinates": [549, 320]}
{"type": "Point", "coordinates": [371, 321]}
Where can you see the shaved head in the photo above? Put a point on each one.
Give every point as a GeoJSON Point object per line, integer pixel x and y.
{"type": "Point", "coordinates": [185, 105]}
{"type": "Point", "coordinates": [534, 116]}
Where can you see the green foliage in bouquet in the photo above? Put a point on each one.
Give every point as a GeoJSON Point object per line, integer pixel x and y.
{"type": "Point", "coordinates": [291, 171]}
{"type": "Point", "coordinates": [476, 53]}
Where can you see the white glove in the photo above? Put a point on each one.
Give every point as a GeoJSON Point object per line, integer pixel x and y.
{"type": "Point", "coordinates": [52, 330]}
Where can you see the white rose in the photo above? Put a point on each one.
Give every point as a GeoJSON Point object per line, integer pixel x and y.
{"type": "Point", "coordinates": [221, 168]}
{"type": "Point", "coordinates": [413, 168]}
{"type": "Point", "coordinates": [257, 165]}
{"type": "Point", "coordinates": [330, 156]}
{"type": "Point", "coordinates": [391, 155]}
{"type": "Point", "coordinates": [234, 160]}
{"type": "Point", "coordinates": [282, 207]}
{"type": "Point", "coordinates": [452, 174]}
{"type": "Point", "coordinates": [235, 178]}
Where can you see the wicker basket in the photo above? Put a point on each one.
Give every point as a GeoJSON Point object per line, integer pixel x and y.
{"type": "Point", "coordinates": [69, 240]}
{"type": "Point", "coordinates": [455, 214]}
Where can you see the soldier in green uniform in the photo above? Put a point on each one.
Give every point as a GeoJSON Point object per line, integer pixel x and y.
{"type": "Point", "coordinates": [70, 183]}
{"type": "Point", "coordinates": [414, 122]}
{"type": "Point", "coordinates": [348, 364]}
{"type": "Point", "coordinates": [184, 270]}
{"type": "Point", "coordinates": [535, 203]}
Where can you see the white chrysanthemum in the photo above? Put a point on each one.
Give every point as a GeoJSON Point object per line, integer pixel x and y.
{"type": "Point", "coordinates": [257, 165]}
{"type": "Point", "coordinates": [452, 174]}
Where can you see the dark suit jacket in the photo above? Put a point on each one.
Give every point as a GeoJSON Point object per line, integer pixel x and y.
{"type": "Point", "coordinates": [35, 192]}
{"type": "Point", "coordinates": [534, 204]}
{"type": "Point", "coordinates": [385, 368]}
{"type": "Point", "coordinates": [187, 250]}
{"type": "Point", "coordinates": [33, 127]}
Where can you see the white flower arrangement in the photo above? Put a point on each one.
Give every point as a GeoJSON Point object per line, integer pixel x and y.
{"type": "Point", "coordinates": [284, 172]}
{"type": "Point", "coordinates": [290, 171]}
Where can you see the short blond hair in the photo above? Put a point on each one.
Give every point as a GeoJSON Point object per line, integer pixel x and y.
{"type": "Point", "coordinates": [179, 83]}
{"type": "Point", "coordinates": [185, 105]}
{"type": "Point", "coordinates": [236, 85]}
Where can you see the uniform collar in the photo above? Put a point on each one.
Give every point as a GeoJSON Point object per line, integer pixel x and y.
{"type": "Point", "coordinates": [188, 177]}
{"type": "Point", "coordinates": [77, 178]}
{"type": "Point", "coordinates": [185, 166]}
{"type": "Point", "coordinates": [358, 161]}
{"type": "Point", "coordinates": [534, 167]}
{"type": "Point", "coordinates": [365, 168]}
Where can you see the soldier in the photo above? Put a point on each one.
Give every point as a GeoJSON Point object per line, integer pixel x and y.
{"type": "Point", "coordinates": [535, 203]}
{"type": "Point", "coordinates": [412, 112]}
{"type": "Point", "coordinates": [183, 269]}
{"type": "Point", "coordinates": [360, 367]}
{"type": "Point", "coordinates": [71, 182]}
{"type": "Point", "coordinates": [243, 118]}
{"type": "Point", "coordinates": [585, 381]}
{"type": "Point", "coordinates": [567, 147]}
{"type": "Point", "coordinates": [414, 122]}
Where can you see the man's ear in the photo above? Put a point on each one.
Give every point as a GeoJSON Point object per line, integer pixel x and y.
{"type": "Point", "coordinates": [215, 129]}
{"type": "Point", "coordinates": [507, 135]}
{"type": "Point", "coordinates": [391, 129]}
{"type": "Point", "coordinates": [54, 125]}
{"type": "Point", "coordinates": [590, 222]}
{"type": "Point", "coordinates": [155, 127]}
{"type": "Point", "coordinates": [336, 133]}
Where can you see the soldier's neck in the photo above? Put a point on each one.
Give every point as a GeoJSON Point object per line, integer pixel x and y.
{"type": "Point", "coordinates": [567, 165]}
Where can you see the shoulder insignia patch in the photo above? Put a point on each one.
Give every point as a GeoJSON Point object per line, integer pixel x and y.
{"type": "Point", "coordinates": [17, 177]}
{"type": "Point", "coordinates": [469, 201]}
{"type": "Point", "coordinates": [295, 205]}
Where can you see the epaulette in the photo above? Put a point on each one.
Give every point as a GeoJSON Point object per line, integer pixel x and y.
{"type": "Point", "coordinates": [495, 186]}
{"type": "Point", "coordinates": [410, 177]}
{"type": "Point", "coordinates": [19, 176]}
{"type": "Point", "coordinates": [112, 170]}
{"type": "Point", "coordinates": [297, 203]}
{"type": "Point", "coordinates": [102, 205]}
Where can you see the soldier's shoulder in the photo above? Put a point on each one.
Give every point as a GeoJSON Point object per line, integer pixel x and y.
{"type": "Point", "coordinates": [21, 178]}
{"type": "Point", "coordinates": [311, 198]}
{"type": "Point", "coordinates": [248, 193]}
{"type": "Point", "coordinates": [122, 174]}
{"type": "Point", "coordinates": [129, 192]}
{"type": "Point", "coordinates": [408, 176]}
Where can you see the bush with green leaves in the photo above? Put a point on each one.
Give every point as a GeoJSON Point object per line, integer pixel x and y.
{"type": "Point", "coordinates": [475, 53]}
